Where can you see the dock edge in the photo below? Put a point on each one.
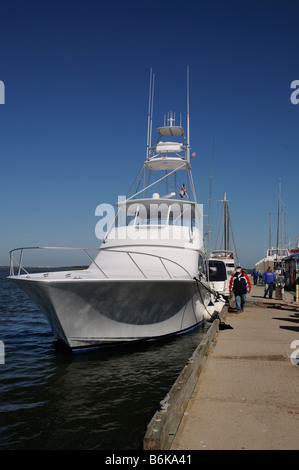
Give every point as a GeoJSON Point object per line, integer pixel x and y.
{"type": "Point", "coordinates": [164, 424]}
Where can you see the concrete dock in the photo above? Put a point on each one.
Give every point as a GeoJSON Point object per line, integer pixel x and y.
{"type": "Point", "coordinates": [247, 393]}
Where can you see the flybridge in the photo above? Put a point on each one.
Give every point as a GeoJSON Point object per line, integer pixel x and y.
{"type": "Point", "coordinates": [170, 130]}
{"type": "Point", "coordinates": [160, 158]}
{"type": "Point", "coordinates": [165, 171]}
{"type": "Point", "coordinates": [166, 157]}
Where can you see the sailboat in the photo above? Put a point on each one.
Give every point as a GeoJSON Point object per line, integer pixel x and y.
{"type": "Point", "coordinates": [148, 279]}
{"type": "Point", "coordinates": [274, 254]}
{"type": "Point", "coordinates": [222, 262]}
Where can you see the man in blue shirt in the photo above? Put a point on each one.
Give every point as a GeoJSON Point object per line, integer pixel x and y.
{"type": "Point", "coordinates": [269, 281]}
{"type": "Point", "coordinates": [255, 275]}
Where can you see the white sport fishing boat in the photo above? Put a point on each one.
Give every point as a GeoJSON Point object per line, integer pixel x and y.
{"type": "Point", "coordinates": [148, 279]}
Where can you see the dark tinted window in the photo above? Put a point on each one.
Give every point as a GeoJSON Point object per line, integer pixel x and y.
{"type": "Point", "coordinates": [217, 271]}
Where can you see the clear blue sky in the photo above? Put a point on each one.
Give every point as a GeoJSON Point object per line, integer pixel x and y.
{"type": "Point", "coordinates": [74, 123]}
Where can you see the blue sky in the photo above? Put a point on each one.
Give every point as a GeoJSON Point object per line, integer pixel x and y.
{"type": "Point", "coordinates": [74, 123]}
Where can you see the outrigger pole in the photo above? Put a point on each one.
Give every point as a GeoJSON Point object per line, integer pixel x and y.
{"type": "Point", "coordinates": [150, 113]}
{"type": "Point", "coordinates": [188, 127]}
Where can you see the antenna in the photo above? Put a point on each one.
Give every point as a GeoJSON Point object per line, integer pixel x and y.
{"type": "Point", "coordinates": [152, 107]}
{"type": "Point", "coordinates": [188, 128]}
{"type": "Point", "coordinates": [150, 113]}
{"type": "Point", "coordinates": [171, 118]}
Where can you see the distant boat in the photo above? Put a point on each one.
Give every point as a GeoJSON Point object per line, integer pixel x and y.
{"type": "Point", "coordinates": [273, 257]}
{"type": "Point", "coordinates": [221, 268]}
{"type": "Point", "coordinates": [274, 254]}
{"type": "Point", "coordinates": [291, 271]}
{"type": "Point", "coordinates": [222, 262]}
{"type": "Point", "coordinates": [148, 280]}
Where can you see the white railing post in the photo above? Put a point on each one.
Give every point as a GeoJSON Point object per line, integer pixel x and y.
{"type": "Point", "coordinates": [20, 261]}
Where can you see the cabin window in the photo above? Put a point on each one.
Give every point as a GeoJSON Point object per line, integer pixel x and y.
{"type": "Point", "coordinates": [157, 214]}
{"type": "Point", "coordinates": [217, 271]}
{"type": "Point", "coordinates": [200, 263]}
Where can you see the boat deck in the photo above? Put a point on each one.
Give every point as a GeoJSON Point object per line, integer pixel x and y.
{"type": "Point", "coordinates": [246, 396]}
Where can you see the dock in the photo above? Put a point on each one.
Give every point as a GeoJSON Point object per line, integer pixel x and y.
{"type": "Point", "coordinates": [240, 389]}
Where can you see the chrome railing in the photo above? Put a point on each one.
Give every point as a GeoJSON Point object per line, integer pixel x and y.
{"type": "Point", "coordinates": [20, 268]}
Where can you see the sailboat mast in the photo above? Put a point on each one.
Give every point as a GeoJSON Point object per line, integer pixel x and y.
{"type": "Point", "coordinates": [226, 224]}
{"type": "Point", "coordinates": [278, 218]}
{"type": "Point", "coordinates": [210, 199]}
{"type": "Point", "coordinates": [270, 231]}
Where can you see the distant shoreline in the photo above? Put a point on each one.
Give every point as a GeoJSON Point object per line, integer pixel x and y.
{"type": "Point", "coordinates": [47, 267]}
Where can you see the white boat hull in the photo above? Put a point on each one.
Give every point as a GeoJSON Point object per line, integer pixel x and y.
{"type": "Point", "coordinates": [94, 313]}
{"type": "Point", "coordinates": [222, 287]}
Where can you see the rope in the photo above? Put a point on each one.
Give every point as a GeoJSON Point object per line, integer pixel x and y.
{"type": "Point", "coordinates": [222, 325]}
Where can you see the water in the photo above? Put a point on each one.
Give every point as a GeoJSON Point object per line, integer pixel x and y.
{"type": "Point", "coordinates": [53, 400]}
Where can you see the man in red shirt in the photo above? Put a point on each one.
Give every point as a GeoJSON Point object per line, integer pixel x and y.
{"type": "Point", "coordinates": [240, 285]}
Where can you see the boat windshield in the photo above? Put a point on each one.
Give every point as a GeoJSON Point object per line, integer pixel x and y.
{"type": "Point", "coordinates": [151, 213]}
{"type": "Point", "coordinates": [277, 252]}
{"type": "Point", "coordinates": [217, 271]}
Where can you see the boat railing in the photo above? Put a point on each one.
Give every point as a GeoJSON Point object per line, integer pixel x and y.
{"type": "Point", "coordinates": [17, 264]}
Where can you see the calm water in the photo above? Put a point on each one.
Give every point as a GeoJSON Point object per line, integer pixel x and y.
{"type": "Point", "coordinates": [51, 399]}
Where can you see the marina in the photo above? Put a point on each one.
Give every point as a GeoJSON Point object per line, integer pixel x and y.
{"type": "Point", "coordinates": [246, 394]}
{"type": "Point", "coordinates": [153, 292]}
{"type": "Point", "coordinates": [134, 137]}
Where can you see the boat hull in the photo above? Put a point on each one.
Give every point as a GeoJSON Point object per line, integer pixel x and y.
{"type": "Point", "coordinates": [95, 313]}
{"type": "Point", "coordinates": [222, 287]}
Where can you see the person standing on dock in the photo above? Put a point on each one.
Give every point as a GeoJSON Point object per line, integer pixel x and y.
{"type": "Point", "coordinates": [269, 281]}
{"type": "Point", "coordinates": [255, 275]}
{"type": "Point", "coordinates": [240, 285]}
